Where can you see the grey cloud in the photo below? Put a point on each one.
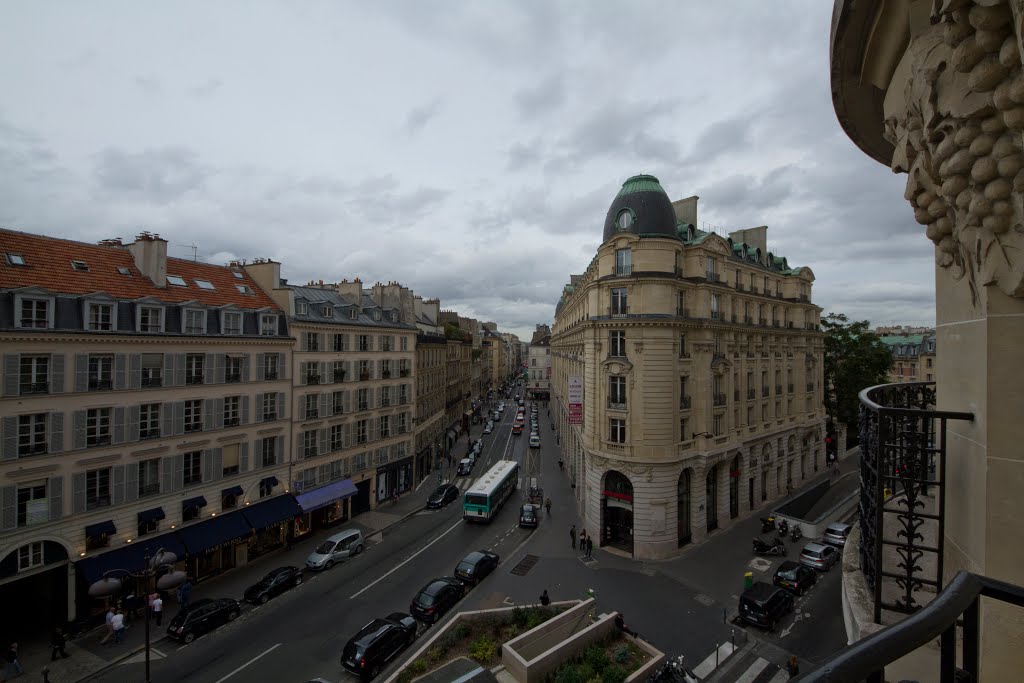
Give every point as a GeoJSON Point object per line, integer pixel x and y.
{"type": "Point", "coordinates": [547, 95]}
{"type": "Point", "coordinates": [621, 130]}
{"type": "Point", "coordinates": [159, 175]}
{"type": "Point", "coordinates": [147, 84]}
{"type": "Point", "coordinates": [419, 117]}
{"type": "Point", "coordinates": [720, 138]}
{"type": "Point", "coordinates": [521, 155]}
{"type": "Point", "coordinates": [207, 88]}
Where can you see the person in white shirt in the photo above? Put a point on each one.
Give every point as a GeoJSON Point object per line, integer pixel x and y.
{"type": "Point", "coordinates": [117, 623]}
{"type": "Point", "coordinates": [110, 629]}
{"type": "Point", "coordinates": [158, 609]}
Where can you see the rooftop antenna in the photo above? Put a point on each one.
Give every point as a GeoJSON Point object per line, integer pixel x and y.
{"type": "Point", "coordinates": [195, 250]}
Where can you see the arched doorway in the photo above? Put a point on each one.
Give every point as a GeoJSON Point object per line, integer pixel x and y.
{"type": "Point", "coordinates": [40, 596]}
{"type": "Point", "coordinates": [734, 488]}
{"type": "Point", "coordinates": [711, 498]}
{"type": "Point", "coordinates": [683, 508]}
{"type": "Point", "coordinates": [617, 509]}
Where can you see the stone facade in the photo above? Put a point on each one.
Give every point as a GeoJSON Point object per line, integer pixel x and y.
{"type": "Point", "coordinates": [913, 357]}
{"type": "Point", "coordinates": [538, 383]}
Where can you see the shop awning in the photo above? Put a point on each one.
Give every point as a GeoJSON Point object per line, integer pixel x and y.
{"type": "Point", "coordinates": [233, 491]}
{"type": "Point", "coordinates": [130, 558]}
{"type": "Point", "coordinates": [269, 512]}
{"type": "Point", "coordinates": [199, 538]}
{"type": "Point", "coordinates": [269, 481]}
{"type": "Point", "coordinates": [151, 515]}
{"type": "Point", "coordinates": [98, 529]}
{"type": "Point", "coordinates": [197, 502]}
{"type": "Point", "coordinates": [317, 498]}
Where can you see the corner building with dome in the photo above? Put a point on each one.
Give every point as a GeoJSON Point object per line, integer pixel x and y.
{"type": "Point", "coordinates": [686, 377]}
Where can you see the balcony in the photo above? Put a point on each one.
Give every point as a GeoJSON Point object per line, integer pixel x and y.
{"type": "Point", "coordinates": [684, 402]}
{"type": "Point", "coordinates": [96, 384]}
{"type": "Point", "coordinates": [718, 400]}
{"type": "Point", "coordinates": [32, 449]}
{"type": "Point", "coordinates": [789, 324]}
{"type": "Point", "coordinates": [740, 287]}
{"type": "Point", "coordinates": [312, 379]}
{"type": "Point", "coordinates": [715, 315]}
{"type": "Point", "coordinates": [269, 415]}
{"type": "Point", "coordinates": [617, 403]}
{"type": "Point", "coordinates": [763, 322]}
{"type": "Point", "coordinates": [34, 388]}
{"type": "Point", "coordinates": [751, 394]}
{"type": "Point", "coordinates": [194, 379]}
{"type": "Point", "coordinates": [753, 289]}
{"type": "Point", "coordinates": [618, 311]}
{"type": "Point", "coordinates": [684, 354]}
{"type": "Point", "coordinates": [364, 376]}
{"type": "Point", "coordinates": [149, 433]}
{"type": "Point", "coordinates": [683, 312]}
{"type": "Point", "coordinates": [232, 421]}
{"type": "Point", "coordinates": [233, 377]}
{"type": "Point", "coordinates": [151, 382]}
{"type": "Point", "coordinates": [712, 277]}
{"type": "Point", "coordinates": [775, 323]}
{"type": "Point", "coordinates": [98, 440]}
{"type": "Point", "coordinates": [270, 374]}
{"type": "Point", "coordinates": [764, 392]}
{"type": "Point", "coordinates": [338, 376]}
{"type": "Point", "coordinates": [624, 269]}
{"type": "Point", "coordinates": [403, 372]}
{"type": "Point", "coordinates": [363, 405]}
{"type": "Point", "coordinates": [402, 400]}
{"type": "Point", "coordinates": [385, 374]}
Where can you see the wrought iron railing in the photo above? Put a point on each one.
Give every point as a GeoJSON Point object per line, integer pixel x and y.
{"type": "Point", "coordinates": [903, 457]}
{"type": "Point", "coordinates": [959, 604]}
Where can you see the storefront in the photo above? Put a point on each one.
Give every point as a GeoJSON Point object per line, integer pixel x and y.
{"type": "Point", "coordinates": [269, 520]}
{"type": "Point", "coordinates": [424, 463]}
{"type": "Point", "coordinates": [360, 503]}
{"type": "Point", "coordinates": [216, 545]}
{"type": "Point", "coordinates": [325, 506]}
{"type": "Point", "coordinates": [395, 476]}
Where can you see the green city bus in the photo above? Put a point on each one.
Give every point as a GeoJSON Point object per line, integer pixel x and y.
{"type": "Point", "coordinates": [485, 497]}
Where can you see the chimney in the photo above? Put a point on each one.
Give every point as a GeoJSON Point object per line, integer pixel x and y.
{"type": "Point", "coordinates": [150, 254]}
{"type": "Point", "coordinates": [265, 272]}
{"type": "Point", "coordinates": [686, 210]}
{"type": "Point", "coordinates": [352, 292]}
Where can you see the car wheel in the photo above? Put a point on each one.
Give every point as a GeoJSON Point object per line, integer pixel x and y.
{"type": "Point", "coordinates": [189, 637]}
{"type": "Point", "coordinates": [359, 549]}
{"type": "Point", "coordinates": [264, 598]}
{"type": "Point", "coordinates": [374, 671]}
{"type": "Point", "coordinates": [298, 580]}
{"type": "Point", "coordinates": [330, 563]}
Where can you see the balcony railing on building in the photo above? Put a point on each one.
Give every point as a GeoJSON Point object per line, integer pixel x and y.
{"type": "Point", "coordinates": [617, 311]}
{"type": "Point", "coordinates": [683, 311]}
{"type": "Point", "coordinates": [712, 277]}
{"type": "Point", "coordinates": [684, 402]}
{"type": "Point", "coordinates": [763, 322]}
{"type": "Point", "coordinates": [751, 394]}
{"type": "Point", "coordinates": [617, 403]}
{"type": "Point", "coordinates": [719, 400]}
{"type": "Point", "coordinates": [624, 269]}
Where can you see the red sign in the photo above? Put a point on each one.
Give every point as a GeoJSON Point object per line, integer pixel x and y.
{"type": "Point", "coordinates": [621, 496]}
{"type": "Point", "coordinates": [575, 413]}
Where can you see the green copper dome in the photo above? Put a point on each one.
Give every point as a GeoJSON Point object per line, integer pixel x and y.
{"type": "Point", "coordinates": [641, 207]}
{"type": "Point", "coordinates": [641, 183]}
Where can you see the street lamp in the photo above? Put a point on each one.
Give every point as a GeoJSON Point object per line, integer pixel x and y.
{"type": "Point", "coordinates": [110, 585]}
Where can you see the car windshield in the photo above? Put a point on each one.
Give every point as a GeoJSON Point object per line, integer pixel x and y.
{"type": "Point", "coordinates": [325, 548]}
{"type": "Point", "coordinates": [527, 512]}
{"type": "Point", "coordinates": [438, 492]}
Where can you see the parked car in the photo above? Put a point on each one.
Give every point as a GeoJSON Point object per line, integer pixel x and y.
{"type": "Point", "coordinates": [528, 516]}
{"type": "Point", "coordinates": [443, 495]}
{"type": "Point", "coordinates": [535, 441]}
{"type": "Point", "coordinates": [836, 534]}
{"type": "Point", "coordinates": [465, 467]}
{"type": "Point", "coordinates": [436, 598]}
{"type": "Point", "coordinates": [274, 583]}
{"type": "Point", "coordinates": [336, 548]}
{"type": "Point", "coordinates": [517, 428]}
{"type": "Point", "coordinates": [764, 605]}
{"type": "Point", "coordinates": [202, 616]}
{"type": "Point", "coordinates": [377, 643]}
{"type": "Point", "coordinates": [819, 556]}
{"type": "Point", "coordinates": [795, 577]}
{"type": "Point", "coordinates": [489, 427]}
{"type": "Point", "coordinates": [475, 566]}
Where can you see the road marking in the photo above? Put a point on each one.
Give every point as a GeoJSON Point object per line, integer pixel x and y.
{"type": "Point", "coordinates": [711, 662]}
{"type": "Point", "coordinates": [404, 562]}
{"type": "Point", "coordinates": [265, 652]}
{"type": "Point", "coordinates": [752, 672]}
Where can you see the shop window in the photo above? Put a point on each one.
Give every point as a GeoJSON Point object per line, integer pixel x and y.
{"type": "Point", "coordinates": [148, 527]}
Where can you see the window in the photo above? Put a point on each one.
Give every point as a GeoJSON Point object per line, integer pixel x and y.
{"type": "Point", "coordinates": [353, 313]}
{"type": "Point", "coordinates": [387, 343]}
{"type": "Point", "coordinates": [364, 370]}
{"type": "Point", "coordinates": [328, 311]}
{"type": "Point", "coordinates": [30, 555]}
{"type": "Point", "coordinates": [193, 468]}
{"type": "Point", "coordinates": [617, 430]}
{"type": "Point", "coordinates": [403, 343]}
{"type": "Point", "coordinates": [362, 400]}
{"type": "Point", "coordinates": [230, 459]}
{"type": "Point", "coordinates": [204, 284]}
{"type": "Point", "coordinates": [270, 366]}
{"type": "Point", "coordinates": [684, 396]}
{"type": "Point", "coordinates": [337, 403]}
{"type": "Point", "coordinates": [195, 321]}
{"type": "Point", "coordinates": [97, 427]}
{"type": "Point", "coordinates": [238, 276]}
{"type": "Point", "coordinates": [15, 259]}
{"type": "Point", "coordinates": [233, 369]}
{"type": "Point", "coordinates": [337, 438]}
{"type": "Point", "coordinates": [312, 404]}
{"type": "Point", "coordinates": [403, 393]}
{"type": "Point", "coordinates": [176, 280]}
{"type": "Point", "coordinates": [80, 266]}
{"type": "Point", "coordinates": [268, 324]}
{"type": "Point", "coordinates": [31, 434]}
{"type": "Point", "coordinates": [301, 308]}
{"type": "Point", "coordinates": [309, 443]}
{"type": "Point", "coordinates": [149, 421]}
{"type": "Point", "coordinates": [403, 423]}
{"type": "Point", "coordinates": [33, 506]}
{"type": "Point", "coordinates": [150, 526]}
{"type": "Point", "coordinates": [35, 313]}
{"type": "Point", "coordinates": [623, 262]}
{"type": "Point", "coordinates": [194, 363]}
{"type": "Point", "coordinates": [269, 408]}
{"type": "Point", "coordinates": [312, 373]}
{"type": "Point", "coordinates": [34, 375]}
{"type": "Point", "coordinates": [151, 319]}
{"type": "Point", "coordinates": [340, 342]}
{"type": "Point", "coordinates": [617, 343]}
{"type": "Point", "coordinates": [152, 370]}
{"type": "Point", "coordinates": [683, 353]}
{"type": "Point", "coordinates": [716, 304]}
{"type": "Point", "coordinates": [97, 488]}
{"type": "Point", "coordinates": [101, 372]}
{"type": "Point", "coordinates": [232, 411]}
{"type": "Point", "coordinates": [268, 452]}
{"type": "Point", "coordinates": [365, 342]}
{"type": "Point", "coordinates": [712, 270]}
{"type": "Point", "coordinates": [619, 306]}
{"type": "Point", "coordinates": [616, 392]}
{"type": "Point", "coordinates": [338, 371]}
{"type": "Point", "coordinates": [717, 424]}
{"type": "Point", "coordinates": [189, 513]}
{"type": "Point", "coordinates": [193, 415]}
{"type": "Point", "coordinates": [244, 289]}
{"type": "Point", "coordinates": [149, 477]}
{"type": "Point", "coordinates": [385, 426]}
{"type": "Point", "coordinates": [385, 369]}
{"type": "Point", "coordinates": [681, 304]}
{"type": "Point", "coordinates": [310, 341]}
{"type": "Point", "coordinates": [361, 431]}
{"type": "Point", "coordinates": [232, 322]}
{"type": "Point", "coordinates": [99, 317]}
{"type": "Point", "coordinates": [376, 315]}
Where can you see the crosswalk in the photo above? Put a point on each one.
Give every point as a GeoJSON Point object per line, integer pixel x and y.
{"type": "Point", "coordinates": [748, 667]}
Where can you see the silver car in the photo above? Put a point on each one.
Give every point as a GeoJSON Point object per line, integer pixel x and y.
{"type": "Point", "coordinates": [337, 548]}
{"type": "Point", "coordinates": [836, 533]}
{"type": "Point", "coordinates": [819, 556]}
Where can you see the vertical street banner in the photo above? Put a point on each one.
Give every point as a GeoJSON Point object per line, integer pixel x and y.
{"type": "Point", "coordinates": [575, 400]}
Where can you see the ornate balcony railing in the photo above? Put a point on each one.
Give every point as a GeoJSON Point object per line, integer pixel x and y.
{"type": "Point", "coordinates": [958, 604]}
{"type": "Point", "coordinates": [902, 483]}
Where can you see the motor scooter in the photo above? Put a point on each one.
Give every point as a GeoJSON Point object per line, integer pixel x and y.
{"type": "Point", "coordinates": [776, 547]}
{"type": "Point", "coordinates": [797, 533]}
{"type": "Point", "coordinates": [767, 524]}
{"type": "Point", "coordinates": [783, 528]}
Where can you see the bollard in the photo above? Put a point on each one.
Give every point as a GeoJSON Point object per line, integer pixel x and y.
{"type": "Point", "coordinates": [748, 580]}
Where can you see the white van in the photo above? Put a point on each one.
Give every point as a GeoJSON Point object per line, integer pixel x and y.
{"type": "Point", "coordinates": [340, 546]}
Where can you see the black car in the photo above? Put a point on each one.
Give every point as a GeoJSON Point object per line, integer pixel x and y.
{"type": "Point", "coordinates": [475, 566]}
{"type": "Point", "coordinates": [764, 605]}
{"type": "Point", "coordinates": [274, 583]}
{"type": "Point", "coordinates": [795, 577]}
{"type": "Point", "coordinates": [443, 495]}
{"type": "Point", "coordinates": [436, 598]}
{"type": "Point", "coordinates": [528, 516]}
{"type": "Point", "coordinates": [202, 616]}
{"type": "Point", "coordinates": [377, 643]}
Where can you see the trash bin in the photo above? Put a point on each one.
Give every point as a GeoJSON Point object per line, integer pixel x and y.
{"type": "Point", "coordinates": [748, 580]}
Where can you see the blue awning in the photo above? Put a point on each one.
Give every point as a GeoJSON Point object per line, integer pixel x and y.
{"type": "Point", "coordinates": [151, 515]}
{"type": "Point", "coordinates": [233, 491]}
{"type": "Point", "coordinates": [199, 538]}
{"type": "Point", "coordinates": [197, 502]}
{"type": "Point", "coordinates": [269, 512]}
{"type": "Point", "coordinates": [98, 529]}
{"type": "Point", "coordinates": [270, 481]}
{"type": "Point", "coordinates": [317, 498]}
{"type": "Point", "coordinates": [130, 558]}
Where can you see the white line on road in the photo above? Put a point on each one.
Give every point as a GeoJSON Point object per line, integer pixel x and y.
{"type": "Point", "coordinates": [405, 562]}
{"type": "Point", "coordinates": [265, 652]}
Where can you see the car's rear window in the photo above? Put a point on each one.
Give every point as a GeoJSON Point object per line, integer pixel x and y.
{"type": "Point", "coordinates": [426, 599]}
{"type": "Point", "coordinates": [789, 575]}
{"type": "Point", "coordinates": [812, 553]}
{"type": "Point", "coordinates": [464, 566]}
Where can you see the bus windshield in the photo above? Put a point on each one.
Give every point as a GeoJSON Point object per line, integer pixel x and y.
{"type": "Point", "coordinates": [476, 499]}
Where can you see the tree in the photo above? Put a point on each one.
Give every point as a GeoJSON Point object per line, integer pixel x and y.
{"type": "Point", "coordinates": [855, 358]}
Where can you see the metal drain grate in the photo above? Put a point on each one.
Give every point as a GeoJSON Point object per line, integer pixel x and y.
{"type": "Point", "coordinates": [524, 565]}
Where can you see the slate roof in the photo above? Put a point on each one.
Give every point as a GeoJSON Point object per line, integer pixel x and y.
{"type": "Point", "coordinates": [48, 265]}
{"type": "Point", "coordinates": [318, 297]}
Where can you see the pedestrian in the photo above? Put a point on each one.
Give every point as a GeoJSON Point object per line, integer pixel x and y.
{"type": "Point", "coordinates": [184, 591]}
{"type": "Point", "coordinates": [590, 547]}
{"type": "Point", "coordinates": [12, 663]}
{"type": "Point", "coordinates": [793, 666]}
{"type": "Point", "coordinates": [544, 599]}
{"type": "Point", "coordinates": [110, 629]}
{"type": "Point", "coordinates": [572, 536]}
{"type": "Point", "coordinates": [57, 639]}
{"type": "Point", "coordinates": [561, 465]}
{"type": "Point", "coordinates": [547, 505]}
{"type": "Point", "coordinates": [394, 496]}
{"type": "Point", "coordinates": [158, 609]}
{"type": "Point", "coordinates": [117, 623]}
{"type": "Point", "coordinates": [620, 623]}
{"type": "Point", "coordinates": [583, 538]}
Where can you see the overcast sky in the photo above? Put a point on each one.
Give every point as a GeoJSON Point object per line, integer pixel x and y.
{"type": "Point", "coordinates": [468, 150]}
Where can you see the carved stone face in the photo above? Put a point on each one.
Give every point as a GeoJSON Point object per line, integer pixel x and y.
{"type": "Point", "coordinates": [957, 132]}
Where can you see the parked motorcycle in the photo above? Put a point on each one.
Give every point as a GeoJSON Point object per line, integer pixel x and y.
{"type": "Point", "coordinates": [767, 524]}
{"type": "Point", "coordinates": [672, 670]}
{"type": "Point", "coordinates": [776, 547]}
{"type": "Point", "coordinates": [783, 529]}
{"type": "Point", "coordinates": [797, 533]}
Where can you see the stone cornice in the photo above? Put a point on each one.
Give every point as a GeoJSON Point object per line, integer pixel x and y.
{"type": "Point", "coordinates": [27, 472]}
{"type": "Point", "coordinates": [99, 460]}
{"type": "Point", "coordinates": [184, 341]}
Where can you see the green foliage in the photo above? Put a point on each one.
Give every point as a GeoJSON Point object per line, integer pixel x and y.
{"type": "Point", "coordinates": [461, 631]}
{"type": "Point", "coordinates": [509, 632]}
{"type": "Point", "coordinates": [483, 649]}
{"type": "Point", "coordinates": [520, 617]}
{"type": "Point", "coordinates": [536, 617]}
{"type": "Point", "coordinates": [614, 674]}
{"type": "Point", "coordinates": [448, 641]}
{"type": "Point", "coordinates": [622, 654]}
{"type": "Point", "coordinates": [418, 667]}
{"type": "Point", "coordinates": [569, 673]}
{"type": "Point", "coordinates": [406, 676]}
{"type": "Point", "coordinates": [855, 359]}
{"type": "Point", "coordinates": [596, 658]}
{"type": "Point", "coordinates": [434, 655]}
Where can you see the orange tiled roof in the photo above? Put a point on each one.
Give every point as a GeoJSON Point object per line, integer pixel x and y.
{"type": "Point", "coordinates": [48, 265]}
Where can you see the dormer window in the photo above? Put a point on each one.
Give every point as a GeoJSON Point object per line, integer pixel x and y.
{"type": "Point", "coordinates": [204, 284]}
{"type": "Point", "coordinates": [33, 312]}
{"type": "Point", "coordinates": [150, 319]}
{"type": "Point", "coordinates": [195, 321]}
{"type": "Point", "coordinates": [231, 323]}
{"type": "Point", "coordinates": [301, 308]}
{"type": "Point", "coordinates": [394, 316]}
{"type": "Point", "coordinates": [100, 316]}
{"type": "Point", "coordinates": [16, 259]}
{"type": "Point", "coordinates": [376, 315]}
{"type": "Point", "coordinates": [176, 280]}
{"type": "Point", "coordinates": [268, 324]}
{"type": "Point", "coordinates": [244, 289]}
{"type": "Point", "coordinates": [328, 312]}
{"type": "Point", "coordinates": [80, 266]}
{"type": "Point", "coordinates": [353, 314]}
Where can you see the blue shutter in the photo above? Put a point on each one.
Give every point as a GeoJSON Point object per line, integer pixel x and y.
{"type": "Point", "coordinates": [260, 367]}
{"type": "Point", "coordinates": [179, 369]}
{"type": "Point", "coordinates": [55, 492]}
{"type": "Point", "coordinates": [56, 440]}
{"type": "Point", "coordinates": [12, 374]}
{"type": "Point", "coordinates": [324, 442]}
{"type": "Point", "coordinates": [280, 406]}
{"type": "Point", "coordinates": [179, 418]}
{"type": "Point", "coordinates": [259, 408]}
{"type": "Point", "coordinates": [243, 456]}
{"type": "Point", "coordinates": [167, 481]}
{"type": "Point", "coordinates": [210, 368]}
{"type": "Point", "coordinates": [218, 413]}
{"type": "Point", "coordinates": [245, 367]}
{"type": "Point", "coordinates": [210, 414]}
{"type": "Point", "coordinates": [282, 367]}
{"type": "Point", "coordinates": [244, 410]}
{"type": "Point", "coordinates": [81, 372]}
{"type": "Point", "coordinates": [57, 373]}
{"type": "Point", "coordinates": [220, 368]}
{"type": "Point", "coordinates": [134, 414]}
{"type": "Point", "coordinates": [302, 374]}
{"type": "Point", "coordinates": [169, 378]}
{"type": "Point", "coordinates": [166, 419]}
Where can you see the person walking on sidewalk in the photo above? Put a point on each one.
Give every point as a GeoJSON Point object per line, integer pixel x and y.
{"type": "Point", "coordinates": [158, 609]}
{"type": "Point", "coordinates": [547, 505]}
{"type": "Point", "coordinates": [544, 599]}
{"type": "Point", "coordinates": [110, 629]}
{"type": "Point", "coordinates": [793, 666]}
{"type": "Point", "coordinates": [11, 662]}
{"type": "Point", "coordinates": [184, 591]}
{"type": "Point", "coordinates": [57, 640]}
{"type": "Point", "coordinates": [583, 539]}
{"type": "Point", "coordinates": [117, 623]}
{"type": "Point", "coordinates": [572, 536]}
{"type": "Point", "coordinates": [590, 547]}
